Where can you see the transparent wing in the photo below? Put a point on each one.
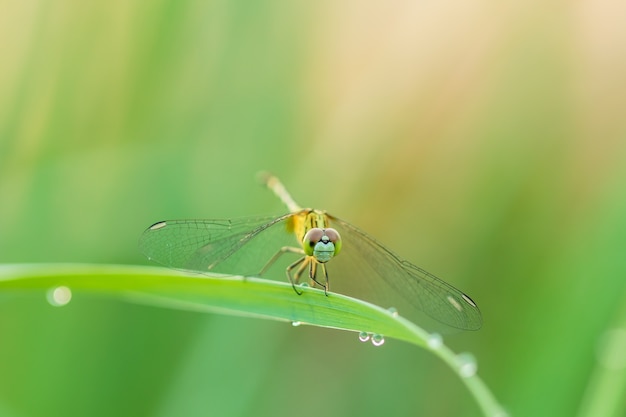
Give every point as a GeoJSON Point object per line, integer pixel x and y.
{"type": "Point", "coordinates": [377, 274]}
{"type": "Point", "coordinates": [239, 246]}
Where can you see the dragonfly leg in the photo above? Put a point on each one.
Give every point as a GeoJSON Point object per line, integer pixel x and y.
{"type": "Point", "coordinates": [281, 251]}
{"type": "Point", "coordinates": [313, 276]}
{"type": "Point", "coordinates": [296, 275]}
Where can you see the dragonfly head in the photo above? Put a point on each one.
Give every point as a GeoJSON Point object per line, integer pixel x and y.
{"type": "Point", "coordinates": [322, 244]}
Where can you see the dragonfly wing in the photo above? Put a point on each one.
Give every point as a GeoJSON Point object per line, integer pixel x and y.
{"type": "Point", "coordinates": [240, 246]}
{"type": "Point", "coordinates": [384, 277]}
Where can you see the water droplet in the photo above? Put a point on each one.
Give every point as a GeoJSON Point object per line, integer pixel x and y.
{"type": "Point", "coordinates": [378, 339]}
{"type": "Point", "coordinates": [296, 323]}
{"type": "Point", "coordinates": [435, 341]}
{"type": "Point", "coordinates": [467, 364]}
{"type": "Point", "coordinates": [59, 296]}
{"type": "Point", "coordinates": [305, 284]}
{"type": "Point", "coordinates": [364, 336]}
{"type": "Point", "coordinates": [393, 311]}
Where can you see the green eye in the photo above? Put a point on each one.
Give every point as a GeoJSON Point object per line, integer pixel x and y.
{"type": "Point", "coordinates": [334, 237]}
{"type": "Point", "coordinates": [311, 238]}
{"type": "Point", "coordinates": [322, 244]}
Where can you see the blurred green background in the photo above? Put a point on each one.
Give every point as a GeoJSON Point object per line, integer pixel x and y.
{"type": "Point", "coordinates": [485, 142]}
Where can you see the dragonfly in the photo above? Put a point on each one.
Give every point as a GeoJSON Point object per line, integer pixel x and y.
{"type": "Point", "coordinates": [319, 246]}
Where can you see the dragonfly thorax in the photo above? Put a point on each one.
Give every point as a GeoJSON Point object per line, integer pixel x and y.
{"type": "Point", "coordinates": [322, 244]}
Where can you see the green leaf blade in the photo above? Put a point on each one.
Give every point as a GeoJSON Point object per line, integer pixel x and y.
{"type": "Point", "coordinates": [235, 295]}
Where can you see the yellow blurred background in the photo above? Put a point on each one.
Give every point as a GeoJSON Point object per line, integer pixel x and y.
{"type": "Point", "coordinates": [485, 142]}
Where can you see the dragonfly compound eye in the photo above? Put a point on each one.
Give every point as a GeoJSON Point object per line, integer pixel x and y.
{"type": "Point", "coordinates": [334, 237]}
{"type": "Point", "coordinates": [311, 238]}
